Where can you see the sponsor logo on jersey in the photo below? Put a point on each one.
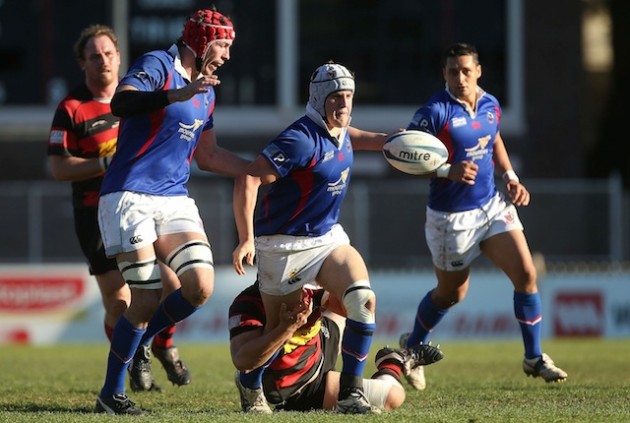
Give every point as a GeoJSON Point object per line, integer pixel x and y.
{"type": "Point", "coordinates": [490, 117]}
{"type": "Point", "coordinates": [419, 122]}
{"type": "Point", "coordinates": [107, 148]}
{"type": "Point", "coordinates": [328, 156]}
{"type": "Point", "coordinates": [275, 154]}
{"type": "Point", "coordinates": [279, 158]}
{"type": "Point", "coordinates": [234, 322]}
{"type": "Point", "coordinates": [337, 187]}
{"type": "Point", "coordinates": [142, 76]}
{"type": "Point", "coordinates": [187, 132]}
{"type": "Point", "coordinates": [458, 121]}
{"type": "Point", "coordinates": [57, 137]}
{"type": "Point", "coordinates": [98, 123]}
{"type": "Point", "coordinates": [479, 150]}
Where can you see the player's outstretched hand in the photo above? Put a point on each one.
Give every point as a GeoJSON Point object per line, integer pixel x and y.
{"type": "Point", "coordinates": [196, 87]}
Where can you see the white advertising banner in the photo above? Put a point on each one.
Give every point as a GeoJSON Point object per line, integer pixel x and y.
{"type": "Point", "coordinates": [61, 303]}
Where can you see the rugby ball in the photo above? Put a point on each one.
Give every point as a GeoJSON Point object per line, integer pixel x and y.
{"type": "Point", "coordinates": [415, 152]}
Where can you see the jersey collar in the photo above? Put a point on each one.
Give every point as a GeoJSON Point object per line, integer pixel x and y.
{"type": "Point", "coordinates": [471, 112]}
{"type": "Point", "coordinates": [174, 51]}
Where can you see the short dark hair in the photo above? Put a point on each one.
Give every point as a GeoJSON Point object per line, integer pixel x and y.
{"type": "Point", "coordinates": [461, 49]}
{"type": "Point", "coordinates": [90, 32]}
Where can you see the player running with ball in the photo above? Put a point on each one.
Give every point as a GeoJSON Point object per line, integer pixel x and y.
{"type": "Point", "coordinates": [467, 215]}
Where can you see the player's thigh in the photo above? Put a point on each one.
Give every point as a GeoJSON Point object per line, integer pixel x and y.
{"type": "Point", "coordinates": [343, 266]}
{"type": "Point", "coordinates": [510, 253]}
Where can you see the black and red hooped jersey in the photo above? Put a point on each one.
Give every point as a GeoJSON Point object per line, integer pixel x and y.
{"type": "Point", "coordinates": [83, 127]}
{"type": "Point", "coordinates": [300, 360]}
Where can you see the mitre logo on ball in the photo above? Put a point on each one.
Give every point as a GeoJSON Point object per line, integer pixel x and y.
{"type": "Point", "coordinates": [415, 152]}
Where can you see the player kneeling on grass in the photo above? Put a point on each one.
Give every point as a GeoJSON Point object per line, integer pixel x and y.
{"type": "Point", "coordinates": [292, 365]}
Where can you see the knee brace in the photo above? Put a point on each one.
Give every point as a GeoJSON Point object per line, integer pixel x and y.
{"type": "Point", "coordinates": [143, 274]}
{"type": "Point", "coordinates": [355, 299]}
{"type": "Point", "coordinates": [196, 253]}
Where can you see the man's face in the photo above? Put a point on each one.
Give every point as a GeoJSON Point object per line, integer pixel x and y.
{"type": "Point", "coordinates": [101, 61]}
{"type": "Point", "coordinates": [218, 53]}
{"type": "Point", "coordinates": [461, 75]}
{"type": "Point", "coordinates": [338, 108]}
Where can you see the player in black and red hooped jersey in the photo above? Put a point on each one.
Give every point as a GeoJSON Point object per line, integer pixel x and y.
{"type": "Point", "coordinates": [82, 140]}
{"type": "Point", "coordinates": [295, 361]}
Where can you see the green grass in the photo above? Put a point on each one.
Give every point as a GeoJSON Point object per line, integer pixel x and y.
{"type": "Point", "coordinates": [476, 382]}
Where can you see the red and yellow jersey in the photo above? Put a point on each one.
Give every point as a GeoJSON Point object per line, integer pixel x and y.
{"type": "Point", "coordinates": [301, 358]}
{"type": "Point", "coordinates": [83, 127]}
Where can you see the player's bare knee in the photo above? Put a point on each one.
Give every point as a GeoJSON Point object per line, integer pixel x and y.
{"type": "Point", "coordinates": [444, 298]}
{"type": "Point", "coordinates": [115, 308]}
{"type": "Point", "coordinates": [200, 296]}
{"type": "Point", "coordinates": [360, 302]}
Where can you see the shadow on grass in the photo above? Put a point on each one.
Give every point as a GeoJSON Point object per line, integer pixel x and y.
{"type": "Point", "coordinates": [38, 408]}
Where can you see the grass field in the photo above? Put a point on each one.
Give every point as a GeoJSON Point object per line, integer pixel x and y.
{"type": "Point", "coordinates": [476, 382]}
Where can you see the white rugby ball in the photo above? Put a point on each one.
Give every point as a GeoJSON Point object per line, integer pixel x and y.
{"type": "Point", "coordinates": [415, 152]}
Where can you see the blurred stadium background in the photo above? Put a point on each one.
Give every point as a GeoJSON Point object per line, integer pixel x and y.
{"type": "Point", "coordinates": [557, 68]}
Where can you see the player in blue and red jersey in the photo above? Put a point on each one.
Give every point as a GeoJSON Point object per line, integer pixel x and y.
{"type": "Point", "coordinates": [298, 240]}
{"type": "Point", "coordinates": [467, 215]}
{"type": "Point", "coordinates": [302, 376]}
{"type": "Point", "coordinates": [82, 141]}
{"type": "Point", "coordinates": [166, 102]}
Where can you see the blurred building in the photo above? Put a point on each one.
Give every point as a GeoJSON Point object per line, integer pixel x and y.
{"type": "Point", "coordinates": [549, 63]}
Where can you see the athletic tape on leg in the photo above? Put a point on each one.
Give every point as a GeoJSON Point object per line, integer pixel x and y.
{"type": "Point", "coordinates": [191, 254]}
{"type": "Point", "coordinates": [143, 274]}
{"type": "Point", "coordinates": [355, 300]}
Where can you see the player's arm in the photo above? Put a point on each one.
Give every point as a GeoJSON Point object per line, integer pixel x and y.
{"type": "Point", "coordinates": [128, 101]}
{"type": "Point", "coordinates": [214, 158]}
{"type": "Point", "coordinates": [71, 168]}
{"type": "Point", "coordinates": [63, 165]}
{"type": "Point", "coordinates": [366, 140]}
{"type": "Point", "coordinates": [254, 348]}
{"type": "Point", "coordinates": [517, 191]}
{"type": "Point", "coordinates": [244, 198]}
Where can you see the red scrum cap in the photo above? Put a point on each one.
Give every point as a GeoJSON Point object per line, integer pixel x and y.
{"type": "Point", "coordinates": [204, 27]}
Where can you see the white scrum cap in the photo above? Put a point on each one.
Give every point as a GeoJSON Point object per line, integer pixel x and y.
{"type": "Point", "coordinates": [327, 79]}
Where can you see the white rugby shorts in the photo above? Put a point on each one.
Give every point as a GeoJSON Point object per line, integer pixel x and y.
{"type": "Point", "coordinates": [287, 263]}
{"type": "Point", "coordinates": [454, 238]}
{"type": "Point", "coordinates": [130, 221]}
